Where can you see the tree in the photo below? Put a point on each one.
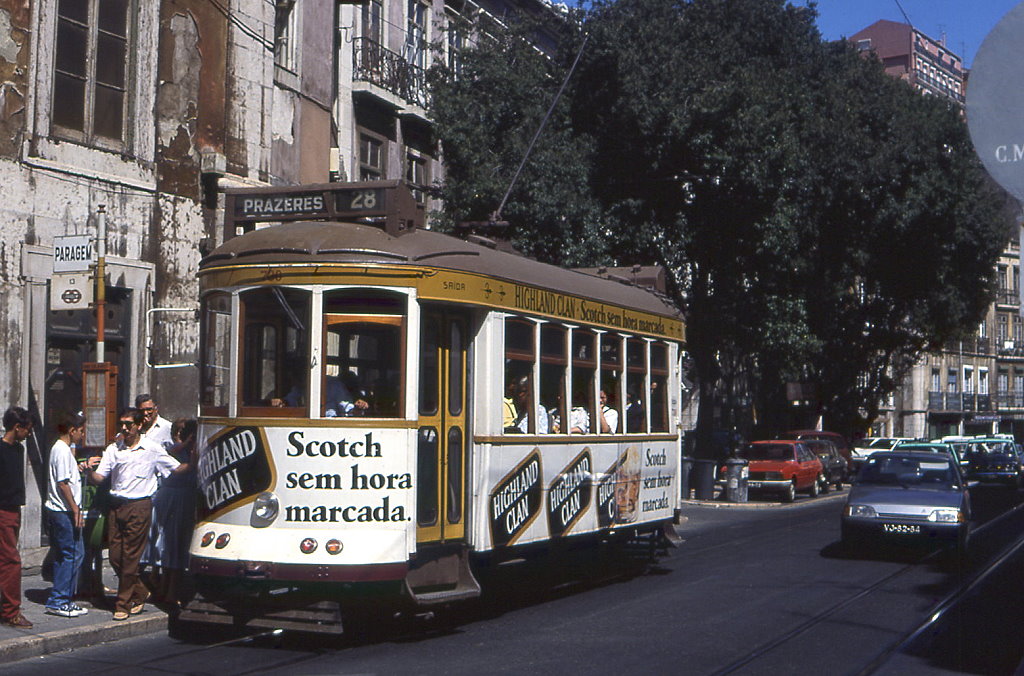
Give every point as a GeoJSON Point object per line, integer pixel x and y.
{"type": "Point", "coordinates": [785, 184]}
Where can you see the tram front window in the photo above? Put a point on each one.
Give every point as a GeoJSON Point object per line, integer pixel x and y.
{"type": "Point", "coordinates": [363, 355]}
{"type": "Point", "coordinates": [275, 349]}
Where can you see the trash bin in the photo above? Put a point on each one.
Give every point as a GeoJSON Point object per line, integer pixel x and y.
{"type": "Point", "coordinates": [736, 473]}
{"type": "Point", "coordinates": [685, 467]}
{"type": "Point", "coordinates": [703, 479]}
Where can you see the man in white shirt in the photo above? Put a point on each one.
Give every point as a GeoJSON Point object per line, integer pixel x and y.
{"type": "Point", "coordinates": [133, 464]}
{"type": "Point", "coordinates": [154, 426]}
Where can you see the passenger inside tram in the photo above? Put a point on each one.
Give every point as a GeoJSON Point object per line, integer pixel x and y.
{"type": "Point", "coordinates": [579, 418]}
{"type": "Point", "coordinates": [344, 396]}
{"type": "Point", "coordinates": [609, 415]}
{"type": "Point", "coordinates": [525, 414]}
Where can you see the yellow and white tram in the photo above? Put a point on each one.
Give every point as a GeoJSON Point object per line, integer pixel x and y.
{"type": "Point", "coordinates": [382, 405]}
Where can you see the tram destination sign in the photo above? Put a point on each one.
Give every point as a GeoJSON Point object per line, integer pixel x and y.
{"type": "Point", "coordinates": [389, 201]}
{"type": "Point", "coordinates": [283, 206]}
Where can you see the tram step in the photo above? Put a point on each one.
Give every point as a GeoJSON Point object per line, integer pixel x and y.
{"type": "Point", "coordinates": [323, 617]}
{"type": "Point", "coordinates": [442, 578]}
{"type": "Point", "coordinates": [668, 529]}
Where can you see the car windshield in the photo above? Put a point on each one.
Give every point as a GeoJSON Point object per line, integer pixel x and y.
{"type": "Point", "coordinates": [904, 471]}
{"type": "Point", "coordinates": [990, 447]}
{"type": "Point", "coordinates": [768, 452]}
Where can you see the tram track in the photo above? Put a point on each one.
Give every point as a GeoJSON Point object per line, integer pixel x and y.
{"type": "Point", "coordinates": [933, 616]}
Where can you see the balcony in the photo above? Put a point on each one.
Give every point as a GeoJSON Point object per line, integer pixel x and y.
{"type": "Point", "coordinates": [946, 401]}
{"type": "Point", "coordinates": [379, 66]}
{"type": "Point", "coordinates": [1008, 400]}
{"type": "Point", "coordinates": [1007, 297]}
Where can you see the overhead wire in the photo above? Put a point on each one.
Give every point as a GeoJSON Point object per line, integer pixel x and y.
{"type": "Point", "coordinates": [242, 26]}
{"type": "Point", "coordinates": [904, 13]}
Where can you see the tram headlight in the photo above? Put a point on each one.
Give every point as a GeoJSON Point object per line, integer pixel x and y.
{"type": "Point", "coordinates": [334, 546]}
{"type": "Point", "coordinates": [207, 538]}
{"type": "Point", "coordinates": [264, 510]}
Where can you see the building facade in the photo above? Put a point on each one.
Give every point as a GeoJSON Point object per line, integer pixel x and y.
{"type": "Point", "coordinates": [907, 53]}
{"type": "Point", "coordinates": [132, 117]}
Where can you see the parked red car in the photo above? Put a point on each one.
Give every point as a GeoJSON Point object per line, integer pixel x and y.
{"type": "Point", "coordinates": [841, 442]}
{"type": "Point", "coordinates": [783, 467]}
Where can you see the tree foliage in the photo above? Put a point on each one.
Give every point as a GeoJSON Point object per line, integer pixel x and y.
{"type": "Point", "coordinates": [486, 115]}
{"type": "Point", "coordinates": [821, 221]}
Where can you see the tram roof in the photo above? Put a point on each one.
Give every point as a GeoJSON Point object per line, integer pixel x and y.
{"type": "Point", "coordinates": [356, 243]}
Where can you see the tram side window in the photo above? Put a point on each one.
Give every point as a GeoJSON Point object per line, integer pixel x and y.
{"type": "Point", "coordinates": [584, 366]}
{"type": "Point", "coordinates": [363, 354]}
{"type": "Point", "coordinates": [611, 371]}
{"type": "Point", "coordinates": [216, 343]}
{"type": "Point", "coordinates": [526, 415]}
{"type": "Point", "coordinates": [659, 387]}
{"type": "Point", "coordinates": [636, 378]}
{"type": "Point", "coordinates": [275, 349]}
{"type": "Point", "coordinates": [553, 362]}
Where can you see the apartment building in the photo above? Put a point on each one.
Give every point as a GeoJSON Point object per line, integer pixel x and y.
{"type": "Point", "coordinates": [131, 118]}
{"type": "Point", "coordinates": [908, 54]}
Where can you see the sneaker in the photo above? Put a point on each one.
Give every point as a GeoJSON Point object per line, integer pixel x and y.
{"type": "Point", "coordinates": [66, 610]}
{"type": "Point", "coordinates": [60, 611]}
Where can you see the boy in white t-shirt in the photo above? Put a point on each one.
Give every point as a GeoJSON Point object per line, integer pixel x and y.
{"type": "Point", "coordinates": [64, 517]}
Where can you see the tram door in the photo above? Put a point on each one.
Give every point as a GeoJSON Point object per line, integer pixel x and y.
{"type": "Point", "coordinates": [441, 438]}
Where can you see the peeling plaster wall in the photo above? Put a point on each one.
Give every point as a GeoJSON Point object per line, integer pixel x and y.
{"type": "Point", "coordinates": [177, 106]}
{"type": "Point", "coordinates": [14, 55]}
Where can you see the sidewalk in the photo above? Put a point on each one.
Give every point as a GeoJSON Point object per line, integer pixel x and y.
{"type": "Point", "coordinates": [51, 634]}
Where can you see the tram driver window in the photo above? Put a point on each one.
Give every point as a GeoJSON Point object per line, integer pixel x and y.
{"type": "Point", "coordinates": [275, 350]}
{"type": "Point", "coordinates": [363, 354]}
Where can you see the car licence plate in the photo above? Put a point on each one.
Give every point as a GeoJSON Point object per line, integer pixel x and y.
{"type": "Point", "coordinates": [901, 528]}
{"type": "Point", "coordinates": [753, 484]}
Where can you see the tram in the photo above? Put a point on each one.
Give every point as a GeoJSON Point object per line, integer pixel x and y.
{"type": "Point", "coordinates": [384, 407]}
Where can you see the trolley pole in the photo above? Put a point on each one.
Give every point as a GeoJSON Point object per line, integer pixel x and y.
{"type": "Point", "coordinates": [101, 273]}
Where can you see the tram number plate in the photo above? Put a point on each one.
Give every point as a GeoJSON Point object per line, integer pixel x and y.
{"type": "Point", "coordinates": [901, 528]}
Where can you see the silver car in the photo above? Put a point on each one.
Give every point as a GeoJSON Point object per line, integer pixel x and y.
{"type": "Point", "coordinates": [908, 497]}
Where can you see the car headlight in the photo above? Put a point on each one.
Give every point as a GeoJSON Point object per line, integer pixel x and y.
{"type": "Point", "coordinates": [946, 515]}
{"type": "Point", "coordinates": [862, 511]}
{"type": "Point", "coordinates": [264, 510]}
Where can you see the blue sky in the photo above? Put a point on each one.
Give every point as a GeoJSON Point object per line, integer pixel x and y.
{"type": "Point", "coordinates": [965, 22]}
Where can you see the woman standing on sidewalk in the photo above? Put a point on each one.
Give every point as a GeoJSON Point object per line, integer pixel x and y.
{"type": "Point", "coordinates": [64, 516]}
{"type": "Point", "coordinates": [174, 511]}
